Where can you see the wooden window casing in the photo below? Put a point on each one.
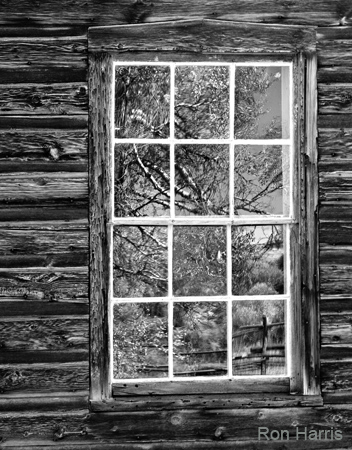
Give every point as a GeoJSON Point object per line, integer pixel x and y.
{"type": "Point", "coordinates": [207, 41]}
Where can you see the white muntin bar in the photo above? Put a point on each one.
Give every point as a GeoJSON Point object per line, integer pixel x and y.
{"type": "Point", "coordinates": [229, 302]}
{"type": "Point", "coordinates": [210, 299]}
{"type": "Point", "coordinates": [203, 221]}
{"type": "Point", "coordinates": [169, 141]}
{"type": "Point", "coordinates": [170, 302]}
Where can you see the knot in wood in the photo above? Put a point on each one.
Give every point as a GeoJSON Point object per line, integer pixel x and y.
{"type": "Point", "coordinates": [220, 433]}
{"type": "Point", "coordinates": [176, 419]}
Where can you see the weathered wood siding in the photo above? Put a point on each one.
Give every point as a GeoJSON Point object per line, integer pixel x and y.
{"type": "Point", "coordinates": [44, 323]}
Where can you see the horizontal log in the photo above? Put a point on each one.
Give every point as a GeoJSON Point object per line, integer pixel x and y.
{"type": "Point", "coordinates": [334, 53]}
{"type": "Point", "coordinates": [94, 13]}
{"type": "Point", "coordinates": [336, 279]}
{"type": "Point", "coordinates": [335, 186]}
{"type": "Point", "coordinates": [51, 260]}
{"type": "Point", "coordinates": [43, 188]}
{"type": "Point", "coordinates": [200, 387]}
{"type": "Point", "coordinates": [337, 255]}
{"type": "Point", "coordinates": [339, 233]}
{"type": "Point", "coordinates": [58, 402]}
{"type": "Point", "coordinates": [42, 166]}
{"type": "Point", "coordinates": [335, 212]}
{"type": "Point", "coordinates": [20, 334]}
{"type": "Point", "coordinates": [40, 75]}
{"type": "Point", "coordinates": [77, 122]}
{"type": "Point", "coordinates": [152, 429]}
{"type": "Point", "coordinates": [335, 98]}
{"type": "Point", "coordinates": [48, 52]}
{"type": "Point", "coordinates": [336, 376]}
{"type": "Point", "coordinates": [69, 212]}
{"type": "Point", "coordinates": [336, 352]}
{"type": "Point", "coordinates": [335, 143]}
{"type": "Point", "coordinates": [333, 33]}
{"type": "Point", "coordinates": [336, 304]}
{"type": "Point", "coordinates": [43, 357]}
{"type": "Point", "coordinates": [336, 329]}
{"type": "Point", "coordinates": [29, 308]}
{"type": "Point", "coordinates": [339, 74]}
{"type": "Point", "coordinates": [57, 241]}
{"type": "Point", "coordinates": [210, 36]}
{"type": "Point", "coordinates": [337, 398]}
{"type": "Point", "coordinates": [25, 379]}
{"type": "Point", "coordinates": [335, 121]}
{"type": "Point", "coordinates": [41, 31]}
{"type": "Point", "coordinates": [205, 402]}
{"type": "Point", "coordinates": [44, 145]}
{"type": "Point", "coordinates": [335, 165]}
{"type": "Point", "coordinates": [54, 99]}
{"type": "Point", "coordinates": [44, 287]}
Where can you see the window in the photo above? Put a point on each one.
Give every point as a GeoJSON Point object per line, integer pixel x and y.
{"type": "Point", "coordinates": [203, 258]}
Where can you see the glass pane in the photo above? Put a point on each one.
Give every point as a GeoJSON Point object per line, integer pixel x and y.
{"type": "Point", "coordinates": [200, 347]}
{"type": "Point", "coordinates": [201, 180]}
{"type": "Point", "coordinates": [261, 180]}
{"type": "Point", "coordinates": [142, 102]}
{"type": "Point", "coordinates": [262, 103]}
{"type": "Point", "coordinates": [258, 337]}
{"type": "Point", "coordinates": [201, 102]}
{"type": "Point", "coordinates": [142, 180]}
{"type": "Point", "coordinates": [258, 260]}
{"type": "Point", "coordinates": [199, 261]}
{"type": "Point", "coordinates": [140, 261]}
{"type": "Point", "coordinates": [140, 340]}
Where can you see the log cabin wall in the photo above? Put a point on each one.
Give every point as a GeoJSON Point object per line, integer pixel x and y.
{"type": "Point", "coordinates": [44, 322]}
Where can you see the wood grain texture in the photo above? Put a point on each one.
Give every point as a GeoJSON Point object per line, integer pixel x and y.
{"type": "Point", "coordinates": [43, 356]}
{"type": "Point", "coordinates": [92, 13]}
{"type": "Point", "coordinates": [38, 247]}
{"type": "Point", "coordinates": [208, 36]}
{"type": "Point", "coordinates": [194, 426]}
{"type": "Point", "coordinates": [336, 376]}
{"type": "Point", "coordinates": [210, 401]}
{"type": "Point", "coordinates": [201, 387]}
{"type": "Point", "coordinates": [41, 287]}
{"type": "Point", "coordinates": [336, 329]}
{"type": "Point", "coordinates": [309, 227]}
{"type": "Point", "coordinates": [335, 277]}
{"type": "Point", "coordinates": [35, 99]}
{"type": "Point", "coordinates": [335, 98]}
{"type": "Point", "coordinates": [334, 44]}
{"type": "Point", "coordinates": [43, 53]}
{"type": "Point", "coordinates": [100, 187]}
{"type": "Point", "coordinates": [335, 212]}
{"type": "Point", "coordinates": [336, 233]}
{"type": "Point", "coordinates": [77, 210]}
{"type": "Point", "coordinates": [336, 304]}
{"type": "Point", "coordinates": [43, 145]}
{"type": "Point", "coordinates": [335, 186]}
{"type": "Point", "coordinates": [335, 121]}
{"type": "Point", "coordinates": [339, 74]}
{"type": "Point", "coordinates": [24, 379]}
{"type": "Point", "coordinates": [335, 143]}
{"type": "Point", "coordinates": [336, 352]}
{"type": "Point", "coordinates": [49, 308]}
{"type": "Point", "coordinates": [76, 122]}
{"type": "Point", "coordinates": [43, 188]}
{"type": "Point", "coordinates": [57, 401]}
{"type": "Point", "coordinates": [54, 334]}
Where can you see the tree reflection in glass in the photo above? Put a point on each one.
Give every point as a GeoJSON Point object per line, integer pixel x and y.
{"type": "Point", "coordinates": [202, 102]}
{"type": "Point", "coordinates": [199, 261]}
{"type": "Point", "coordinates": [140, 261]}
{"type": "Point", "coordinates": [200, 330]}
{"type": "Point", "coordinates": [261, 180]}
{"type": "Point", "coordinates": [142, 180]}
{"type": "Point", "coordinates": [142, 102]}
{"type": "Point", "coordinates": [140, 340]}
{"type": "Point", "coordinates": [202, 180]}
{"type": "Point", "coordinates": [258, 337]}
{"type": "Point", "coordinates": [258, 260]}
{"type": "Point", "coordinates": [262, 102]}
